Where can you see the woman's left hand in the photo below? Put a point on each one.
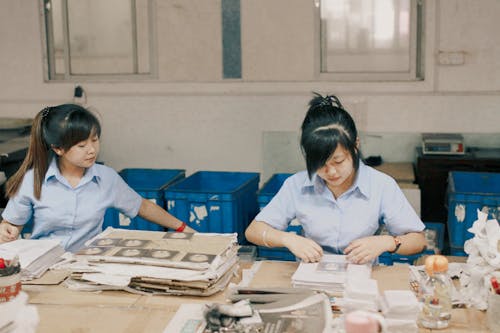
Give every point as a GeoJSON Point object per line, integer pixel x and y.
{"type": "Point", "coordinates": [367, 249]}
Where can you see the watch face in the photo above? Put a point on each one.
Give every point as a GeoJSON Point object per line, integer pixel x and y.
{"type": "Point", "coordinates": [397, 242]}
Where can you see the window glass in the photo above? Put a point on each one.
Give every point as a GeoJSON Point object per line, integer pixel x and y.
{"type": "Point", "coordinates": [368, 36]}
{"type": "Point", "coordinates": [95, 37]}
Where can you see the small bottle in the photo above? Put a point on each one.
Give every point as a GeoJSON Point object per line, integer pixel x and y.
{"type": "Point", "coordinates": [436, 294]}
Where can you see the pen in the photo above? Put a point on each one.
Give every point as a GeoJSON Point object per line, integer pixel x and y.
{"type": "Point", "coordinates": [495, 285]}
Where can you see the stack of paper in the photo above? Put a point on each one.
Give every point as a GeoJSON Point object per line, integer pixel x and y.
{"type": "Point", "coordinates": [401, 310]}
{"type": "Point", "coordinates": [35, 255]}
{"type": "Point", "coordinates": [360, 295]}
{"type": "Point", "coordinates": [155, 262]}
{"type": "Point", "coordinates": [328, 275]}
{"type": "Point", "coordinates": [361, 292]}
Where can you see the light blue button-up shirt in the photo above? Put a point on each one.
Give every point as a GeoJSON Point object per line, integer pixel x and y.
{"type": "Point", "coordinates": [373, 198]}
{"type": "Point", "coordinates": [72, 215]}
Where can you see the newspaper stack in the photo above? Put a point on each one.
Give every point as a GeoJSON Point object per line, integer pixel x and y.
{"type": "Point", "coordinates": [152, 262]}
{"type": "Point", "coordinates": [35, 255]}
{"type": "Point", "coordinates": [400, 309]}
{"type": "Point", "coordinates": [361, 292]}
{"type": "Point", "coordinates": [329, 275]}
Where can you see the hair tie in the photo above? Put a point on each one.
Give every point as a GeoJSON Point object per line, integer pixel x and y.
{"type": "Point", "coordinates": [334, 99]}
{"type": "Point", "coordinates": [329, 100]}
{"type": "Point", "coordinates": [45, 112]}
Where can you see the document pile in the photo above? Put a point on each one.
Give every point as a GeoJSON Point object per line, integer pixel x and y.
{"type": "Point", "coordinates": [328, 275]}
{"type": "Point", "coordinates": [154, 262]}
{"type": "Point", "coordinates": [361, 292]}
{"type": "Point", "coordinates": [35, 255]}
{"type": "Point", "coordinates": [400, 309]}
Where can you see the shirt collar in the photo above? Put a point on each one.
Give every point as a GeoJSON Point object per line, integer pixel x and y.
{"type": "Point", "coordinates": [361, 182]}
{"type": "Point", "coordinates": [92, 173]}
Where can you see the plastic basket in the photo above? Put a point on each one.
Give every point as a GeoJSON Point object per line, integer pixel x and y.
{"type": "Point", "coordinates": [270, 188]}
{"type": "Point", "coordinates": [434, 235]}
{"type": "Point", "coordinates": [215, 201]}
{"type": "Point", "coordinates": [469, 192]}
{"type": "Point", "coordinates": [150, 184]}
{"type": "Point", "coordinates": [264, 196]}
{"type": "Point", "coordinates": [458, 251]}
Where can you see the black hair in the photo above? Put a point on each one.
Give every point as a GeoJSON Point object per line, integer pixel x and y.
{"type": "Point", "coordinates": [60, 126]}
{"type": "Point", "coordinates": [326, 125]}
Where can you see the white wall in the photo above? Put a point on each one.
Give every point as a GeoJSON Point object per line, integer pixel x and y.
{"type": "Point", "coordinates": [190, 118]}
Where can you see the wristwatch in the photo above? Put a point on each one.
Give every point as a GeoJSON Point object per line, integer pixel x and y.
{"type": "Point", "coordinates": [397, 242]}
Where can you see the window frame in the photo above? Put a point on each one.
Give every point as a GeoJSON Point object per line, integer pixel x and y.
{"type": "Point", "coordinates": [417, 52]}
{"type": "Point", "coordinates": [49, 54]}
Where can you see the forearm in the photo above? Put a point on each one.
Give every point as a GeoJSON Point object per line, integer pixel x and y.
{"type": "Point", "coordinates": [261, 233]}
{"type": "Point", "coordinates": [154, 213]}
{"type": "Point", "coordinates": [411, 243]}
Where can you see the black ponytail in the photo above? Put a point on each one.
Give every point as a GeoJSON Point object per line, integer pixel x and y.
{"type": "Point", "coordinates": [326, 125]}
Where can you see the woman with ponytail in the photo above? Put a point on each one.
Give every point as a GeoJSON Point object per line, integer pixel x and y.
{"type": "Point", "coordinates": [339, 201]}
{"type": "Point", "coordinates": [61, 188]}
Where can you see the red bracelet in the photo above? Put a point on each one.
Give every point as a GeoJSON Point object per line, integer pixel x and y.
{"type": "Point", "coordinates": [181, 228]}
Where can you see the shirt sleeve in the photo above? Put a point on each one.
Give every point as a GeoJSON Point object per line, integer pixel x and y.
{"type": "Point", "coordinates": [126, 199]}
{"type": "Point", "coordinates": [281, 209]}
{"type": "Point", "coordinates": [19, 209]}
{"type": "Point", "coordinates": [397, 213]}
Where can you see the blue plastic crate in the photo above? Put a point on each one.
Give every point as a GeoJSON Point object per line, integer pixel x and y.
{"type": "Point", "coordinates": [434, 234]}
{"type": "Point", "coordinates": [270, 188]}
{"type": "Point", "coordinates": [458, 251]}
{"type": "Point", "coordinates": [467, 193]}
{"type": "Point", "coordinates": [275, 253]}
{"type": "Point", "coordinates": [150, 184]}
{"type": "Point", "coordinates": [215, 201]}
{"type": "Point", "coordinates": [264, 196]}
{"type": "Point", "coordinates": [279, 253]}
{"type": "Point", "coordinates": [389, 259]}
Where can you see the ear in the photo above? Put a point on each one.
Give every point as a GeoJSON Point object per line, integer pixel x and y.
{"type": "Point", "coordinates": [58, 151]}
{"type": "Point", "coordinates": [357, 143]}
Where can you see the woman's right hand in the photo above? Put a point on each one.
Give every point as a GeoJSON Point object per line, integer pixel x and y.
{"type": "Point", "coordinates": [304, 248]}
{"type": "Point", "coordinates": [8, 232]}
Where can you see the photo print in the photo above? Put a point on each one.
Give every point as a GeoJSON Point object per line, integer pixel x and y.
{"type": "Point", "coordinates": [178, 235]}
{"type": "Point", "coordinates": [133, 243]}
{"type": "Point", "coordinates": [198, 258]}
{"type": "Point", "coordinates": [162, 254]}
{"type": "Point", "coordinates": [93, 251]}
{"type": "Point", "coordinates": [104, 242]}
{"type": "Point", "coordinates": [132, 253]}
{"type": "Point", "coordinates": [331, 266]}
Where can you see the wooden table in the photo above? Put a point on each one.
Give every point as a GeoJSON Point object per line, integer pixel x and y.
{"type": "Point", "coordinates": [63, 310]}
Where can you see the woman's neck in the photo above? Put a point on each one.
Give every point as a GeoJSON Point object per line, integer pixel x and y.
{"type": "Point", "coordinates": [72, 173]}
{"type": "Point", "coordinates": [337, 191]}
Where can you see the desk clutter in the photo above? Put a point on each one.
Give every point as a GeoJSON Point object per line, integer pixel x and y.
{"type": "Point", "coordinates": [258, 312]}
{"type": "Point", "coordinates": [158, 262]}
{"type": "Point", "coordinates": [150, 262]}
{"type": "Point", "coordinates": [15, 313]}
